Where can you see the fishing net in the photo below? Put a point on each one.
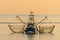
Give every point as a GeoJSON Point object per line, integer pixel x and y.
{"type": "Point", "coordinates": [46, 28]}
{"type": "Point", "coordinates": [16, 28]}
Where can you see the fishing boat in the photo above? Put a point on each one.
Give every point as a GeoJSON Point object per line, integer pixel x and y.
{"type": "Point", "coordinates": [31, 26]}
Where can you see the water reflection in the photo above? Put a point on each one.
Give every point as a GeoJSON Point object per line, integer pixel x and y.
{"type": "Point", "coordinates": [17, 36]}
{"type": "Point", "coordinates": [20, 36]}
{"type": "Point", "coordinates": [46, 36]}
{"type": "Point", "coordinates": [30, 37]}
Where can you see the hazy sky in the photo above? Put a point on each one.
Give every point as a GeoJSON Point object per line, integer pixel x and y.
{"type": "Point", "coordinates": [25, 6]}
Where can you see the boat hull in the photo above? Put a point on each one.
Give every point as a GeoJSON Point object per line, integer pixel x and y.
{"type": "Point", "coordinates": [30, 30]}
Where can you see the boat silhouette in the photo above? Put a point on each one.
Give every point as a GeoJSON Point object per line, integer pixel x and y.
{"type": "Point", "coordinates": [31, 26]}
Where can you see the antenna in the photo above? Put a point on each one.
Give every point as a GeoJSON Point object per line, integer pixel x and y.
{"type": "Point", "coordinates": [31, 18]}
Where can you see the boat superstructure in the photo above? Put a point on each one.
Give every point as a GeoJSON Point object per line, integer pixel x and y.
{"type": "Point", "coordinates": [30, 26]}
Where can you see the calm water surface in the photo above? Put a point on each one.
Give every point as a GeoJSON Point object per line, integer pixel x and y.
{"type": "Point", "coordinates": [6, 34]}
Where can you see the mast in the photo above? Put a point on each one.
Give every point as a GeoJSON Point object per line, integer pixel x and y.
{"type": "Point", "coordinates": [31, 21]}
{"type": "Point", "coordinates": [31, 18]}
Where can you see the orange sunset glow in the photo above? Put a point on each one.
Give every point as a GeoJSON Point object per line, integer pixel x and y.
{"type": "Point", "coordinates": [25, 6]}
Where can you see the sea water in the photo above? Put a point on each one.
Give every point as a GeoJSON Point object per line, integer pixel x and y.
{"type": "Point", "coordinates": [6, 34]}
